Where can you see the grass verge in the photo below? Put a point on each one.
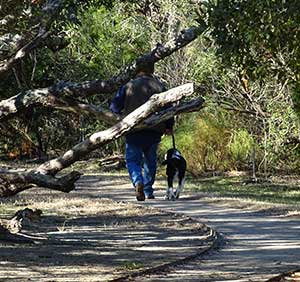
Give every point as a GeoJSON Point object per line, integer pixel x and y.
{"type": "Point", "coordinates": [279, 192]}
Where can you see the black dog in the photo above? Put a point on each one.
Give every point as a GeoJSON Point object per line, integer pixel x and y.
{"type": "Point", "coordinates": [176, 165]}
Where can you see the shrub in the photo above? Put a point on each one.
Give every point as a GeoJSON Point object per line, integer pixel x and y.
{"type": "Point", "coordinates": [240, 148]}
{"type": "Point", "coordinates": [209, 143]}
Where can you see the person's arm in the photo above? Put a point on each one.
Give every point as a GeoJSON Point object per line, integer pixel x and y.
{"type": "Point", "coordinates": [117, 103]}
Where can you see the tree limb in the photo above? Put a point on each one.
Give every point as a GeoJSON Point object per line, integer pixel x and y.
{"type": "Point", "coordinates": [14, 183]}
{"type": "Point", "coordinates": [182, 107]}
{"type": "Point", "coordinates": [63, 95]}
{"type": "Point", "coordinates": [101, 138]}
{"type": "Point", "coordinates": [44, 175]}
{"type": "Point", "coordinates": [43, 97]}
{"type": "Point", "coordinates": [51, 9]}
{"type": "Point", "coordinates": [160, 52]}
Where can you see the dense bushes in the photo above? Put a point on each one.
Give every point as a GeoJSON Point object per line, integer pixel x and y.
{"type": "Point", "coordinates": [218, 142]}
{"type": "Point", "coordinates": [210, 143]}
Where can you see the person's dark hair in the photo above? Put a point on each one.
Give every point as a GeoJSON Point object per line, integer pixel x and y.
{"type": "Point", "coordinates": [146, 66]}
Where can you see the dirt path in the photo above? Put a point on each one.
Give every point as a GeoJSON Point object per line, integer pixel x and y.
{"type": "Point", "coordinates": [95, 239]}
{"type": "Point", "coordinates": [83, 236]}
{"type": "Point", "coordinates": [257, 245]}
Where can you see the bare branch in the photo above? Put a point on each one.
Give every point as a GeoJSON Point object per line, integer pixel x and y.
{"type": "Point", "coordinates": [55, 96]}
{"type": "Point", "coordinates": [44, 175]}
{"type": "Point", "coordinates": [101, 138]}
{"type": "Point", "coordinates": [182, 107]}
{"type": "Point", "coordinates": [51, 9]}
{"type": "Point", "coordinates": [160, 52]}
{"type": "Point", "coordinates": [14, 183]}
{"type": "Point", "coordinates": [44, 97]}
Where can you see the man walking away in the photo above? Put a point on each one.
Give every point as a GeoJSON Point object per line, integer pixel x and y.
{"type": "Point", "coordinates": [141, 145]}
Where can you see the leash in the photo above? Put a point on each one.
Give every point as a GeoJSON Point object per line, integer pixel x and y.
{"type": "Point", "coordinates": [173, 140]}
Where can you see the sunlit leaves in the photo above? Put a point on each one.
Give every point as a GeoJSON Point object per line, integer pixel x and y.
{"type": "Point", "coordinates": [260, 36]}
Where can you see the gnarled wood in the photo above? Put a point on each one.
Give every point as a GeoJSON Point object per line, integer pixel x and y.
{"type": "Point", "coordinates": [9, 228]}
{"type": "Point", "coordinates": [44, 97]}
{"type": "Point", "coordinates": [51, 9]}
{"type": "Point", "coordinates": [101, 138]}
{"type": "Point", "coordinates": [63, 95]}
{"type": "Point", "coordinates": [13, 183]}
{"type": "Point", "coordinates": [44, 175]}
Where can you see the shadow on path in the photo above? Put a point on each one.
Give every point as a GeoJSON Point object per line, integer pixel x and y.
{"type": "Point", "coordinates": [258, 246]}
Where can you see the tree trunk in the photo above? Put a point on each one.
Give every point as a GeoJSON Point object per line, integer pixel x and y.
{"type": "Point", "coordinates": [44, 175]}
{"type": "Point", "coordinates": [63, 95]}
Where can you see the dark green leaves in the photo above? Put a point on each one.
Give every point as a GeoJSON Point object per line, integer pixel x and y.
{"type": "Point", "coordinates": [258, 36]}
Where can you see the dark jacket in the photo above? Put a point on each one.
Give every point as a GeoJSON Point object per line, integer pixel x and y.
{"type": "Point", "coordinates": [134, 94]}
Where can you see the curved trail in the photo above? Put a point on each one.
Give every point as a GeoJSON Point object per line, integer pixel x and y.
{"type": "Point", "coordinates": [257, 245]}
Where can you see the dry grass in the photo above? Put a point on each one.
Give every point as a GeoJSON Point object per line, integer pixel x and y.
{"type": "Point", "coordinates": [89, 238]}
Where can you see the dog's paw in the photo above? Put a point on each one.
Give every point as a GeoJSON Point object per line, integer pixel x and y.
{"type": "Point", "coordinates": [177, 194]}
{"type": "Point", "coordinates": [168, 196]}
{"type": "Point", "coordinates": [171, 196]}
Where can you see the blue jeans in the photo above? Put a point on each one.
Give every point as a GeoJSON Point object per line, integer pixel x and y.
{"type": "Point", "coordinates": [139, 158]}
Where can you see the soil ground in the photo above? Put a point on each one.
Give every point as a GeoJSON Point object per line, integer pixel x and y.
{"type": "Point", "coordinates": [83, 236]}
{"type": "Point", "coordinates": [100, 233]}
{"type": "Point", "coordinates": [261, 240]}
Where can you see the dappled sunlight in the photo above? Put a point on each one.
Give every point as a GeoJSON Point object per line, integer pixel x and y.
{"type": "Point", "coordinates": [88, 235]}
{"type": "Point", "coordinates": [257, 245]}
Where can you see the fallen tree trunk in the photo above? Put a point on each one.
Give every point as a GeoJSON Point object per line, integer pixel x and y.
{"type": "Point", "coordinates": [113, 162]}
{"type": "Point", "coordinates": [14, 183]}
{"type": "Point", "coordinates": [96, 140]}
{"type": "Point", "coordinates": [44, 175]}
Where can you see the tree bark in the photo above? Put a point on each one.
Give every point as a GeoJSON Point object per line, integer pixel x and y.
{"type": "Point", "coordinates": [160, 52]}
{"type": "Point", "coordinates": [148, 113]}
{"type": "Point", "coordinates": [44, 97]}
{"type": "Point", "coordinates": [98, 139]}
{"type": "Point", "coordinates": [50, 10]}
{"type": "Point", "coordinates": [14, 183]}
{"type": "Point", "coordinates": [10, 228]}
{"type": "Point", "coordinates": [63, 95]}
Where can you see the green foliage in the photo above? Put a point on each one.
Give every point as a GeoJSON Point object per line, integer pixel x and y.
{"type": "Point", "coordinates": [258, 36]}
{"type": "Point", "coordinates": [132, 265]}
{"type": "Point", "coordinates": [235, 187]}
{"type": "Point", "coordinates": [204, 63]}
{"type": "Point", "coordinates": [103, 38]}
{"type": "Point", "coordinates": [295, 95]}
{"type": "Point", "coordinates": [107, 40]}
{"type": "Point", "coordinates": [241, 147]}
{"type": "Point", "coordinates": [283, 153]}
{"type": "Point", "coordinates": [210, 142]}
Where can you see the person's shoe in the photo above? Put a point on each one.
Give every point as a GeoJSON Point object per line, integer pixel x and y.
{"type": "Point", "coordinates": [150, 197]}
{"type": "Point", "coordinates": [139, 192]}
